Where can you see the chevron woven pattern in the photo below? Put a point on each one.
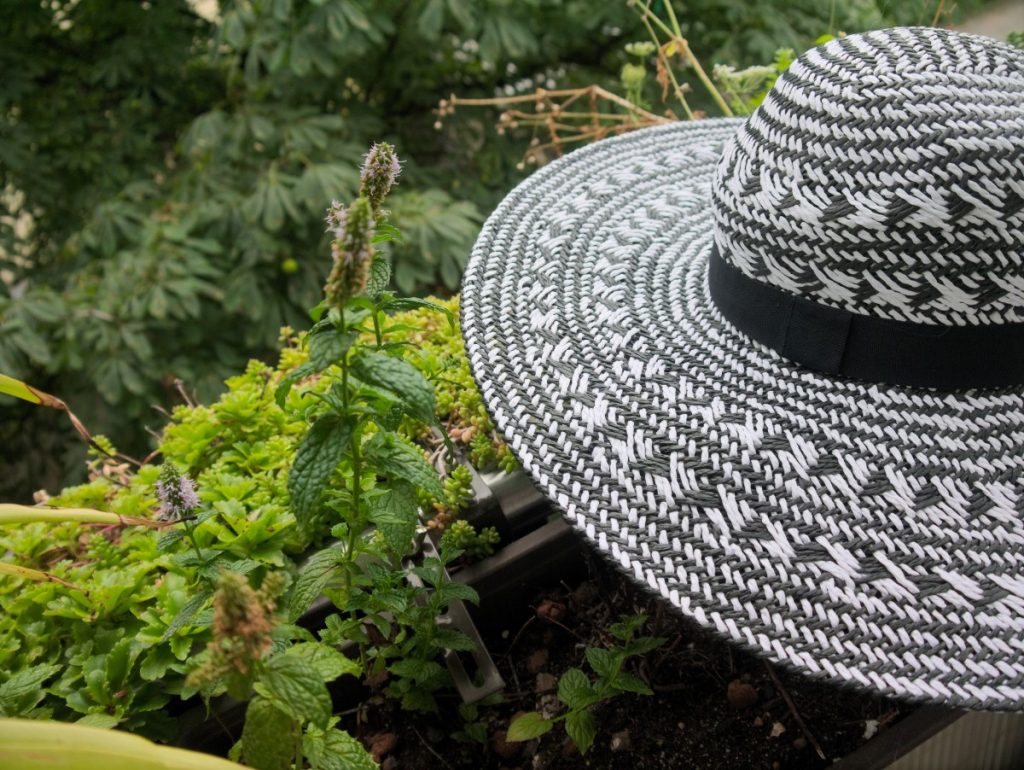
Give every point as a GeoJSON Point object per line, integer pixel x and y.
{"type": "Point", "coordinates": [868, 534]}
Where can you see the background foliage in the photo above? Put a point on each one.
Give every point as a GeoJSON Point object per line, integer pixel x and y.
{"type": "Point", "coordinates": [163, 173]}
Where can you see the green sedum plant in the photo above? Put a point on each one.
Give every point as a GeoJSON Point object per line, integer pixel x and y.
{"type": "Point", "coordinates": [579, 691]}
{"type": "Point", "coordinates": [110, 641]}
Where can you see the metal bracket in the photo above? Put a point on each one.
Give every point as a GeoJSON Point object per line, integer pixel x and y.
{"type": "Point", "coordinates": [486, 679]}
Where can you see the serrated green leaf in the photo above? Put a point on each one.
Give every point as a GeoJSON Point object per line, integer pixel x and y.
{"type": "Point", "coordinates": [295, 687]}
{"type": "Point", "coordinates": [419, 670]}
{"type": "Point", "coordinates": [328, 662]}
{"type": "Point", "coordinates": [395, 512]}
{"type": "Point", "coordinates": [186, 614]}
{"type": "Point", "coordinates": [380, 276]}
{"type": "Point", "coordinates": [264, 738]}
{"type": "Point", "coordinates": [528, 726]}
{"type": "Point", "coordinates": [629, 683]}
{"type": "Point", "coordinates": [627, 626]}
{"type": "Point", "coordinates": [643, 645]}
{"type": "Point", "coordinates": [413, 303]}
{"type": "Point", "coordinates": [574, 689]}
{"type": "Point", "coordinates": [582, 728]}
{"type": "Point", "coordinates": [453, 639]}
{"type": "Point", "coordinates": [455, 591]}
{"type": "Point", "coordinates": [336, 750]}
{"type": "Point", "coordinates": [23, 691]}
{"type": "Point", "coordinates": [399, 378]}
{"type": "Point", "coordinates": [296, 374]}
{"type": "Point", "coordinates": [604, 662]}
{"type": "Point", "coordinates": [315, 575]}
{"type": "Point", "coordinates": [398, 459]}
{"type": "Point", "coordinates": [328, 347]}
{"type": "Point", "coordinates": [317, 457]}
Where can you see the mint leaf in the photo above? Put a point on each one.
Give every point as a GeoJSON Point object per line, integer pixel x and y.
{"type": "Point", "coordinates": [398, 459]}
{"type": "Point", "coordinates": [263, 738]}
{"type": "Point", "coordinates": [380, 276]}
{"type": "Point", "coordinates": [397, 378]}
{"type": "Point", "coordinates": [186, 614]}
{"type": "Point", "coordinates": [629, 683]}
{"type": "Point", "coordinates": [456, 591]}
{"type": "Point", "coordinates": [582, 728]}
{"type": "Point", "coordinates": [23, 691]}
{"type": "Point", "coordinates": [328, 347]}
{"type": "Point", "coordinates": [295, 687]}
{"type": "Point", "coordinates": [290, 379]}
{"type": "Point", "coordinates": [452, 639]}
{"type": "Point", "coordinates": [328, 662]}
{"type": "Point", "coordinates": [411, 303]}
{"type": "Point", "coordinates": [604, 662]}
{"type": "Point", "coordinates": [395, 512]}
{"type": "Point", "coordinates": [317, 457]}
{"type": "Point", "coordinates": [313, 578]}
{"type": "Point", "coordinates": [643, 645]}
{"type": "Point", "coordinates": [336, 750]}
{"type": "Point", "coordinates": [574, 689]}
{"type": "Point", "coordinates": [528, 726]}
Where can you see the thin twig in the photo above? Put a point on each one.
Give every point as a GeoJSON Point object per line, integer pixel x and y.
{"type": "Point", "coordinates": [796, 714]}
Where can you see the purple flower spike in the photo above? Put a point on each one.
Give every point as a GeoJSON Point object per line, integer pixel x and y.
{"type": "Point", "coordinates": [177, 494]}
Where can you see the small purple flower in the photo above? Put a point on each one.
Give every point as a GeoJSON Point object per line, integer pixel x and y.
{"type": "Point", "coordinates": [381, 168]}
{"type": "Point", "coordinates": [177, 494]}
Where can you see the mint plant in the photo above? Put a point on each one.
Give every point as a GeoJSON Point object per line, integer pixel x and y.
{"type": "Point", "coordinates": [579, 692]}
{"type": "Point", "coordinates": [356, 473]}
{"type": "Point", "coordinates": [288, 719]}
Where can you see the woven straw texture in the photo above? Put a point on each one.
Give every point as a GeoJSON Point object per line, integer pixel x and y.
{"type": "Point", "coordinates": [870, 534]}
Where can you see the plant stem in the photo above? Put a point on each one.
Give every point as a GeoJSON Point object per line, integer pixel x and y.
{"type": "Point", "coordinates": [192, 538]}
{"type": "Point", "coordinates": [376, 328]}
{"type": "Point", "coordinates": [676, 36]}
{"type": "Point", "coordinates": [297, 735]}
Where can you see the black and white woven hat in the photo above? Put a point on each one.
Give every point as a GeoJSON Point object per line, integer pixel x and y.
{"type": "Point", "coordinates": [774, 368]}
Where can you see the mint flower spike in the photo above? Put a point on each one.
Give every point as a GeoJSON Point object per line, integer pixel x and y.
{"type": "Point", "coordinates": [335, 219]}
{"type": "Point", "coordinates": [177, 494]}
{"type": "Point", "coordinates": [381, 168]}
{"type": "Point", "coordinates": [352, 251]}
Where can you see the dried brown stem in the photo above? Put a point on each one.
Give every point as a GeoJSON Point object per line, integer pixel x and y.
{"type": "Point", "coordinates": [796, 714]}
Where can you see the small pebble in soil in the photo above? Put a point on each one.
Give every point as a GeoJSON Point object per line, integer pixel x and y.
{"type": "Point", "coordinates": [741, 695]}
{"type": "Point", "coordinates": [777, 729]}
{"type": "Point", "coordinates": [382, 744]}
{"type": "Point", "coordinates": [391, 763]}
{"type": "Point", "coordinates": [546, 682]}
{"type": "Point", "coordinates": [537, 661]}
{"type": "Point", "coordinates": [758, 721]}
{"type": "Point", "coordinates": [800, 743]}
{"type": "Point", "coordinates": [502, 747]}
{"type": "Point", "coordinates": [551, 611]}
{"type": "Point", "coordinates": [620, 741]}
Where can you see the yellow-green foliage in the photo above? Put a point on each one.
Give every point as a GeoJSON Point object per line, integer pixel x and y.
{"type": "Point", "coordinates": [439, 353]}
{"type": "Point", "coordinates": [116, 647]}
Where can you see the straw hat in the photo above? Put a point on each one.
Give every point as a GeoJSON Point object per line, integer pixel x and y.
{"type": "Point", "coordinates": [774, 368]}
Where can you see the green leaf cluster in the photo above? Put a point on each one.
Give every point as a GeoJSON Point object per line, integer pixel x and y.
{"type": "Point", "coordinates": [579, 691]}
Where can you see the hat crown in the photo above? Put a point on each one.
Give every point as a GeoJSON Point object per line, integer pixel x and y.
{"type": "Point", "coordinates": [884, 175]}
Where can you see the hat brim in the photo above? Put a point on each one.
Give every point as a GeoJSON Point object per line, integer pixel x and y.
{"type": "Point", "coordinates": [867, 534]}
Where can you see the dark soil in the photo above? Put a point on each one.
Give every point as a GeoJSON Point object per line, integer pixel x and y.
{"type": "Point", "coordinates": [713, 706]}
